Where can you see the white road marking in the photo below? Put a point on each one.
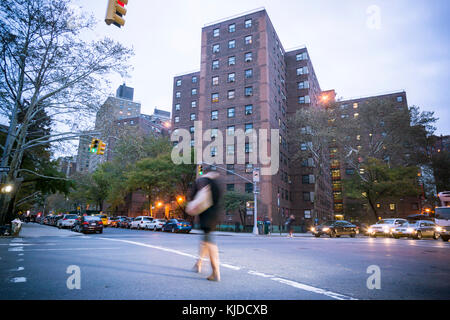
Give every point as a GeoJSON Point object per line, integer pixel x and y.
{"type": "Point", "coordinates": [18, 280]}
{"type": "Point", "coordinates": [16, 249]}
{"type": "Point", "coordinates": [291, 283]}
{"type": "Point", "coordinates": [73, 249]}
{"type": "Point", "coordinates": [18, 269]}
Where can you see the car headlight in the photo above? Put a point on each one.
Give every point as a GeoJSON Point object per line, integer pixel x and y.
{"type": "Point", "coordinates": [438, 229]}
{"type": "Point", "coordinates": [370, 230]}
{"type": "Point", "coordinates": [386, 230]}
{"type": "Point", "coordinates": [313, 229]}
{"type": "Point", "coordinates": [392, 229]}
{"type": "Point", "coordinates": [325, 229]}
{"type": "Point", "coordinates": [410, 230]}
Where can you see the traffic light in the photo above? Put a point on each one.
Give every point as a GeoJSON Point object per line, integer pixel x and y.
{"type": "Point", "coordinates": [94, 145]}
{"type": "Point", "coordinates": [115, 12]}
{"type": "Point", "coordinates": [101, 147]}
{"type": "Point", "coordinates": [200, 170]}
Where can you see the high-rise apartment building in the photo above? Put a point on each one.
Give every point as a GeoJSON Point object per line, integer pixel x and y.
{"type": "Point", "coordinates": [248, 81]}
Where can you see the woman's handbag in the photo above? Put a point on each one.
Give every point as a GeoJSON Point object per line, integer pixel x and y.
{"type": "Point", "coordinates": [201, 203]}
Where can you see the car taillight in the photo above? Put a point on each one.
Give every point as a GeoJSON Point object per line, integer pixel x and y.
{"type": "Point", "coordinates": [85, 222]}
{"type": "Point", "coordinates": [100, 222]}
{"type": "Point", "coordinates": [178, 224]}
{"type": "Point", "coordinates": [65, 219]}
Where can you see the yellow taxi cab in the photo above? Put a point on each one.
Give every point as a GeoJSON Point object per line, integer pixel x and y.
{"type": "Point", "coordinates": [104, 218]}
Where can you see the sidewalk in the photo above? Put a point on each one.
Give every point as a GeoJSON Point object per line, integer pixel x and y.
{"type": "Point", "coordinates": [246, 234]}
{"type": "Point", "coordinates": [34, 230]}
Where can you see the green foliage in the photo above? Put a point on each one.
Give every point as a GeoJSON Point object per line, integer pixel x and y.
{"type": "Point", "coordinates": [441, 167]}
{"type": "Point", "coordinates": [237, 201]}
{"type": "Point", "coordinates": [378, 181]}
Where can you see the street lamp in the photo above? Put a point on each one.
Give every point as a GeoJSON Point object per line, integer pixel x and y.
{"type": "Point", "coordinates": [7, 188]}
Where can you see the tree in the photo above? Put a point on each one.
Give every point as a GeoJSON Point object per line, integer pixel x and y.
{"type": "Point", "coordinates": [237, 201]}
{"type": "Point", "coordinates": [378, 181]}
{"type": "Point", "coordinates": [441, 167]}
{"type": "Point", "coordinates": [45, 66]}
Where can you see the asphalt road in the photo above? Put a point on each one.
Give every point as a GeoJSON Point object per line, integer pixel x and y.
{"type": "Point", "coordinates": [132, 265]}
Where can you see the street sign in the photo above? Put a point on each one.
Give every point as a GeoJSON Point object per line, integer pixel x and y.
{"type": "Point", "coordinates": [4, 169]}
{"type": "Point", "coordinates": [256, 175]}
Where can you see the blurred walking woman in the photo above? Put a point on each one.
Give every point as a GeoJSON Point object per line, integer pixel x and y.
{"type": "Point", "coordinates": [206, 196]}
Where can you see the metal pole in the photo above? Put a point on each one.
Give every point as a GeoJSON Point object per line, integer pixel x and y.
{"type": "Point", "coordinates": [255, 210]}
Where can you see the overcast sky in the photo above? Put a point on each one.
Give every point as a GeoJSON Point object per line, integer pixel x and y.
{"type": "Point", "coordinates": [357, 47]}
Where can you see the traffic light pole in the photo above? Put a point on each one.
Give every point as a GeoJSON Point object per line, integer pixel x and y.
{"type": "Point", "coordinates": [255, 196]}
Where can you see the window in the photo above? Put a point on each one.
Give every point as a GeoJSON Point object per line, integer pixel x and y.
{"type": "Point", "coordinates": [303, 85]}
{"type": "Point", "coordinates": [349, 171]}
{"type": "Point", "coordinates": [230, 94]}
{"type": "Point", "coordinates": [178, 82]}
{"type": "Point", "coordinates": [302, 70]}
{"type": "Point", "coordinates": [248, 147]}
{"type": "Point", "coordinates": [355, 115]}
{"type": "Point", "coordinates": [248, 109]}
{"type": "Point", "coordinates": [306, 196]}
{"type": "Point", "coordinates": [232, 28]}
{"type": "Point", "coordinates": [305, 179]}
{"type": "Point", "coordinates": [248, 127]}
{"type": "Point", "coordinates": [399, 99]}
{"type": "Point", "coordinates": [392, 206]}
{"type": "Point", "coordinates": [177, 107]}
{"type": "Point", "coordinates": [231, 112]}
{"type": "Point", "coordinates": [303, 146]}
{"type": "Point", "coordinates": [230, 187]}
{"type": "Point", "coordinates": [231, 77]}
{"type": "Point", "coordinates": [231, 44]}
{"type": "Point", "coordinates": [230, 150]}
{"type": "Point", "coordinates": [231, 61]}
{"type": "Point", "coordinates": [214, 133]}
{"type": "Point", "coordinates": [193, 104]}
{"type": "Point", "coordinates": [230, 130]}
{"type": "Point", "coordinates": [248, 39]}
{"type": "Point", "coordinates": [192, 143]}
{"type": "Point", "coordinates": [178, 94]}
{"type": "Point", "coordinates": [214, 97]}
{"type": "Point", "coordinates": [248, 73]}
{"type": "Point", "coordinates": [248, 91]}
{"type": "Point", "coordinates": [248, 57]}
{"type": "Point", "coordinates": [248, 23]}
{"type": "Point", "coordinates": [215, 81]}
{"type": "Point", "coordinates": [213, 151]}
{"type": "Point", "coordinates": [355, 105]}
{"type": "Point", "coordinates": [249, 187]}
{"type": "Point", "coordinates": [249, 167]}
{"type": "Point", "coordinates": [193, 92]}
{"type": "Point", "coordinates": [177, 119]}
{"type": "Point", "coordinates": [304, 99]}
{"type": "Point", "coordinates": [214, 115]}
{"type": "Point", "coordinates": [336, 173]}
{"type": "Point", "coordinates": [215, 64]}
{"type": "Point", "coordinates": [192, 129]}
{"type": "Point", "coordinates": [216, 32]}
{"type": "Point", "coordinates": [192, 116]}
{"type": "Point", "coordinates": [194, 79]}
{"type": "Point", "coordinates": [216, 48]}
{"type": "Point", "coordinates": [301, 56]}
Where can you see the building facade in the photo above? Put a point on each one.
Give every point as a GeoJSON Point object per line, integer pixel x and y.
{"type": "Point", "coordinates": [248, 83]}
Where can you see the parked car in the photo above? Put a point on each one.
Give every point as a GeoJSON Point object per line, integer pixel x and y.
{"type": "Point", "coordinates": [157, 224]}
{"type": "Point", "coordinates": [177, 225]}
{"type": "Point", "coordinates": [67, 221]}
{"type": "Point", "coordinates": [117, 222]}
{"type": "Point", "coordinates": [54, 220]}
{"type": "Point", "coordinates": [383, 227]}
{"type": "Point", "coordinates": [335, 229]}
{"type": "Point", "coordinates": [141, 222]}
{"type": "Point", "coordinates": [361, 228]}
{"type": "Point", "coordinates": [104, 218]}
{"type": "Point", "coordinates": [113, 221]}
{"type": "Point", "coordinates": [86, 224]}
{"type": "Point", "coordinates": [416, 229]}
{"type": "Point", "coordinates": [125, 222]}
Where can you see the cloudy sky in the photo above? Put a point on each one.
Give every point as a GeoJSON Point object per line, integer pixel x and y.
{"type": "Point", "coordinates": [357, 47]}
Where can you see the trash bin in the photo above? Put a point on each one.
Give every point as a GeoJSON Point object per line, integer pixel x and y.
{"type": "Point", "coordinates": [260, 227]}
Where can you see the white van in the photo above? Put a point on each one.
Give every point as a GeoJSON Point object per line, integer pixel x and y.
{"type": "Point", "coordinates": [442, 219]}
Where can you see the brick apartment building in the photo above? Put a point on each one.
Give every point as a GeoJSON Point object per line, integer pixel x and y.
{"type": "Point", "coordinates": [247, 81]}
